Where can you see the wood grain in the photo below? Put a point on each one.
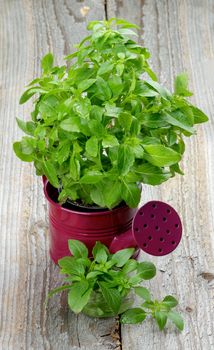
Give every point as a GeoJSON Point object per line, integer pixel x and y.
{"type": "Point", "coordinates": [179, 34]}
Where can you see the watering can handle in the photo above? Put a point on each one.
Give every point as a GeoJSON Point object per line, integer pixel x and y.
{"type": "Point", "coordinates": [122, 241]}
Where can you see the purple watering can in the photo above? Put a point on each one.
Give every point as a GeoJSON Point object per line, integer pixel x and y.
{"type": "Point", "coordinates": [155, 227]}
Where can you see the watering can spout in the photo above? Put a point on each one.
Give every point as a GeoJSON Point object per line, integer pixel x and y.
{"type": "Point", "coordinates": [125, 240]}
{"type": "Point", "coordinates": [156, 229]}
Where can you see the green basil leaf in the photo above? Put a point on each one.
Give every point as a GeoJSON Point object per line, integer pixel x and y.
{"type": "Point", "coordinates": [103, 91]}
{"type": "Point", "coordinates": [47, 106]}
{"type": "Point", "coordinates": [91, 177]}
{"type": "Point", "coordinates": [58, 290]}
{"type": "Point", "coordinates": [160, 89]}
{"type": "Point", "coordinates": [120, 68]}
{"type": "Point", "coordinates": [27, 145]}
{"type": "Point", "coordinates": [170, 301]}
{"type": "Point", "coordinates": [96, 112]}
{"type": "Point", "coordinates": [125, 120]}
{"type": "Point", "coordinates": [143, 293]}
{"type": "Point", "coordinates": [72, 55]}
{"type": "Point", "coordinates": [142, 89]}
{"type": "Point", "coordinates": [151, 174]}
{"type": "Point", "coordinates": [130, 266]}
{"type": "Point", "coordinates": [199, 116]}
{"type": "Point", "coordinates": [100, 252]}
{"type": "Point", "coordinates": [97, 195]}
{"type": "Point", "coordinates": [93, 274]}
{"type": "Point", "coordinates": [181, 85]}
{"type": "Point", "coordinates": [47, 62]}
{"type": "Point", "coordinates": [130, 193]}
{"type": "Point", "coordinates": [161, 319]}
{"type": "Point", "coordinates": [63, 153]}
{"type": "Point", "coordinates": [105, 68]}
{"type": "Point", "coordinates": [122, 256]}
{"type": "Point", "coordinates": [29, 93]}
{"type": "Point", "coordinates": [19, 153]}
{"type": "Point", "coordinates": [50, 173]}
{"type": "Point", "coordinates": [96, 128]}
{"type": "Point", "coordinates": [176, 169]}
{"type": "Point", "coordinates": [111, 296]}
{"type": "Point", "coordinates": [149, 305]}
{"type": "Point", "coordinates": [177, 118]}
{"type": "Point", "coordinates": [79, 296]}
{"type": "Point", "coordinates": [154, 121]}
{"type": "Point", "coordinates": [77, 248]}
{"type": "Point", "coordinates": [74, 168]}
{"type": "Point", "coordinates": [138, 151]}
{"type": "Point", "coordinates": [27, 127]}
{"type": "Point", "coordinates": [172, 137]}
{"type": "Point", "coordinates": [127, 31]}
{"type": "Point", "coordinates": [176, 318]}
{"type": "Point", "coordinates": [111, 110]}
{"type": "Point", "coordinates": [135, 127]}
{"type": "Point", "coordinates": [147, 270]}
{"type": "Point", "coordinates": [149, 140]}
{"type": "Point", "coordinates": [116, 85]}
{"type": "Point", "coordinates": [125, 24]}
{"type": "Point", "coordinates": [150, 73]}
{"type": "Point", "coordinates": [71, 124]}
{"type": "Point", "coordinates": [85, 84]}
{"type": "Point", "coordinates": [113, 197]}
{"type": "Point", "coordinates": [160, 155]}
{"type": "Point", "coordinates": [133, 316]}
{"type": "Point", "coordinates": [71, 266]}
{"type": "Point", "coordinates": [125, 159]}
{"type": "Point", "coordinates": [110, 141]}
{"type": "Point", "coordinates": [92, 146]}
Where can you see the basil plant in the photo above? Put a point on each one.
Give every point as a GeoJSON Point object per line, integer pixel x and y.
{"type": "Point", "coordinates": [103, 124]}
{"type": "Point", "coordinates": [105, 285]}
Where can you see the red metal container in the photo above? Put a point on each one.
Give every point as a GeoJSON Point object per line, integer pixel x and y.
{"type": "Point", "coordinates": [88, 227]}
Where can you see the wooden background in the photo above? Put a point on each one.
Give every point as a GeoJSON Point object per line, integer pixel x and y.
{"type": "Point", "coordinates": [180, 36]}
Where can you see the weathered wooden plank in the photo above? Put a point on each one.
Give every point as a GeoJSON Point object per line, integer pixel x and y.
{"type": "Point", "coordinates": [179, 35]}
{"type": "Point", "coordinates": [29, 29]}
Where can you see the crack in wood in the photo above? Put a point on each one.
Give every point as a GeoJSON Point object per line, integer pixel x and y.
{"type": "Point", "coordinates": [106, 9]}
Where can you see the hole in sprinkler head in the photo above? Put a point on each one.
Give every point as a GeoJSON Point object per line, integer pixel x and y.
{"type": "Point", "coordinates": [160, 250]}
{"type": "Point", "coordinates": [162, 239]}
{"type": "Point", "coordinates": [141, 213]}
{"type": "Point", "coordinates": [136, 229]}
{"type": "Point", "coordinates": [145, 225]}
{"type": "Point", "coordinates": [157, 228]}
{"type": "Point", "coordinates": [154, 205]}
{"type": "Point", "coordinates": [164, 219]}
{"type": "Point", "coordinates": [167, 231]}
{"type": "Point", "coordinates": [152, 216]}
{"type": "Point", "coordinates": [168, 211]}
{"type": "Point", "coordinates": [144, 245]}
{"type": "Point", "coordinates": [176, 225]}
{"type": "Point", "coordinates": [173, 242]}
{"type": "Point", "coordinates": [150, 238]}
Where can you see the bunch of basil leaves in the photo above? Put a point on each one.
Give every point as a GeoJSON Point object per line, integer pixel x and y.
{"type": "Point", "coordinates": [104, 285]}
{"type": "Point", "coordinates": [104, 121]}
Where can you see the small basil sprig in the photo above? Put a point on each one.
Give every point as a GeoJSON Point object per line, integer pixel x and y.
{"type": "Point", "coordinates": [161, 311]}
{"type": "Point", "coordinates": [110, 276]}
{"type": "Point", "coordinates": [103, 286]}
{"type": "Point", "coordinates": [104, 121]}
